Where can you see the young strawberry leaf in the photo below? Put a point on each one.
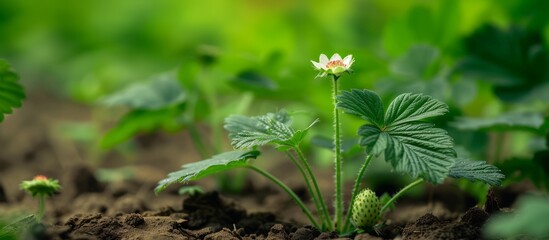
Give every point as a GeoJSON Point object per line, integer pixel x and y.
{"type": "Point", "coordinates": [476, 171]}
{"type": "Point", "coordinates": [364, 104]}
{"type": "Point", "coordinates": [250, 132]}
{"type": "Point", "coordinates": [218, 163]}
{"type": "Point", "coordinates": [410, 145]}
{"type": "Point", "coordinates": [413, 107]}
{"type": "Point", "coordinates": [11, 92]}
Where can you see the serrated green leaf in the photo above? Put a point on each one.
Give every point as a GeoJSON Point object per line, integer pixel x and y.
{"type": "Point", "coordinates": [476, 171]}
{"type": "Point", "coordinates": [11, 92]}
{"type": "Point", "coordinates": [250, 132]}
{"type": "Point", "coordinates": [218, 163]}
{"type": "Point", "coordinates": [417, 148]}
{"type": "Point", "coordinates": [413, 107]}
{"type": "Point", "coordinates": [364, 103]}
{"type": "Point", "coordinates": [509, 121]}
{"type": "Point", "coordinates": [410, 145]}
{"type": "Point", "coordinates": [160, 92]}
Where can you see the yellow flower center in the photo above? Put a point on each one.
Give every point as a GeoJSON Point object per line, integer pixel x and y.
{"type": "Point", "coordinates": [335, 63]}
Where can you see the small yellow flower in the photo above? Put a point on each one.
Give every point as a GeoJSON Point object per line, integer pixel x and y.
{"type": "Point", "coordinates": [334, 66]}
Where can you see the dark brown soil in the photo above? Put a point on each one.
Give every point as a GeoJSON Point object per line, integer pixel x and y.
{"type": "Point", "coordinates": [127, 208]}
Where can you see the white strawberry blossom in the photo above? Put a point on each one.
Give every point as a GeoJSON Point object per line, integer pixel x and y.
{"type": "Point", "coordinates": [334, 66]}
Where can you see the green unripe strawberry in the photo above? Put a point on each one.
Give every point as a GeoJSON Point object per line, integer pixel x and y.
{"type": "Point", "coordinates": [366, 209]}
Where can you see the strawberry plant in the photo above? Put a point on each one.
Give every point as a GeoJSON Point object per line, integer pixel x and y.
{"type": "Point", "coordinates": [400, 134]}
{"type": "Point", "coordinates": [41, 187]}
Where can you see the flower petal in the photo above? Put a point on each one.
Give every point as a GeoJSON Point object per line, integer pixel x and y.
{"type": "Point", "coordinates": [323, 59]}
{"type": "Point", "coordinates": [335, 57]}
{"type": "Point", "coordinates": [348, 60]}
{"type": "Point", "coordinates": [318, 65]}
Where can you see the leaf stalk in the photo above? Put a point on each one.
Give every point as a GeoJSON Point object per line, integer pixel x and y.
{"type": "Point", "coordinates": [288, 191]}
{"type": "Point", "coordinates": [324, 209]}
{"type": "Point", "coordinates": [399, 193]}
{"type": "Point", "coordinates": [356, 189]}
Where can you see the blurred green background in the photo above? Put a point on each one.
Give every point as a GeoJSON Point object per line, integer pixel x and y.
{"type": "Point", "coordinates": [87, 49]}
{"type": "Point", "coordinates": [486, 59]}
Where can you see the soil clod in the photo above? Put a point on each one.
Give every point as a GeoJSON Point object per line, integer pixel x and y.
{"type": "Point", "coordinates": [135, 220]}
{"type": "Point", "coordinates": [304, 233]}
{"type": "Point", "coordinates": [277, 232]}
{"type": "Point", "coordinates": [475, 216]}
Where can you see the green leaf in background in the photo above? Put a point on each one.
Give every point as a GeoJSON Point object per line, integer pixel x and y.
{"type": "Point", "coordinates": [11, 92]}
{"type": "Point", "coordinates": [142, 121]}
{"type": "Point", "coordinates": [162, 91]}
{"type": "Point", "coordinates": [422, 70]}
{"type": "Point", "coordinates": [110, 175]}
{"type": "Point", "coordinates": [514, 60]}
{"type": "Point", "coordinates": [505, 122]}
{"type": "Point", "coordinates": [410, 145]}
{"type": "Point", "coordinates": [438, 26]}
{"type": "Point", "coordinates": [476, 171]}
{"type": "Point", "coordinates": [190, 190]}
{"type": "Point", "coordinates": [347, 145]}
{"type": "Point", "coordinates": [415, 62]}
{"type": "Point", "coordinates": [526, 222]}
{"type": "Point", "coordinates": [254, 81]}
{"type": "Point", "coordinates": [250, 132]}
{"type": "Point", "coordinates": [218, 163]}
{"type": "Point", "coordinates": [518, 169]}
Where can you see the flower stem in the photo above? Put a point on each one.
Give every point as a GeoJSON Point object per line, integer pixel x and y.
{"type": "Point", "coordinates": [356, 188]}
{"type": "Point", "coordinates": [324, 209]}
{"type": "Point", "coordinates": [41, 207]}
{"type": "Point", "coordinates": [337, 161]}
{"type": "Point", "coordinates": [287, 190]}
{"type": "Point", "coordinates": [399, 193]}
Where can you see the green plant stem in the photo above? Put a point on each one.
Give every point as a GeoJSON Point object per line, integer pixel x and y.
{"type": "Point", "coordinates": [337, 160]}
{"type": "Point", "coordinates": [324, 209]}
{"type": "Point", "coordinates": [356, 189]}
{"type": "Point", "coordinates": [399, 193]}
{"type": "Point", "coordinates": [41, 207]}
{"type": "Point", "coordinates": [198, 142]}
{"type": "Point", "coordinates": [288, 191]}
{"type": "Point", "coordinates": [308, 182]}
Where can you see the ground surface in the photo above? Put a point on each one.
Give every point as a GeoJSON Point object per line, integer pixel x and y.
{"type": "Point", "coordinates": [88, 208]}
